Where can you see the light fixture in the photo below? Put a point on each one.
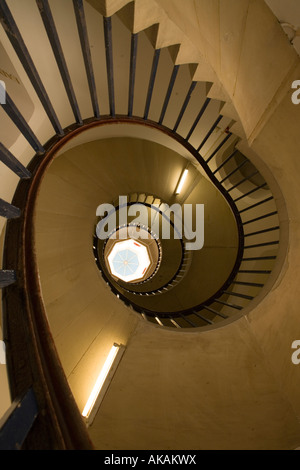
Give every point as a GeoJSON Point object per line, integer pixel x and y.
{"type": "Point", "coordinates": [181, 181]}
{"type": "Point", "coordinates": [102, 383]}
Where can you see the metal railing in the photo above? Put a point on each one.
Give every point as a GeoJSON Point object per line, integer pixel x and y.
{"type": "Point", "coordinates": [118, 287]}
{"type": "Point", "coordinates": [32, 361]}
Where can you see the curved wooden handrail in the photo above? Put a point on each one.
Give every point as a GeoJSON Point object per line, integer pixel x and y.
{"type": "Point", "coordinates": [32, 357]}
{"type": "Point", "coordinates": [32, 360]}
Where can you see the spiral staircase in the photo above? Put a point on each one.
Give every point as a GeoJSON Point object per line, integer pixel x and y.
{"type": "Point", "coordinates": [119, 101]}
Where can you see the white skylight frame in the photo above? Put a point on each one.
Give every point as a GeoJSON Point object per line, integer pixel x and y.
{"type": "Point", "coordinates": [138, 260]}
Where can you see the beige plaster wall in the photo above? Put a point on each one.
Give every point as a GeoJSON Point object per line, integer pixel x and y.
{"type": "Point", "coordinates": [82, 313]}
{"type": "Point", "coordinates": [192, 390]}
{"type": "Point", "coordinates": [257, 73]}
{"type": "Point", "coordinates": [264, 72]}
{"type": "Point", "coordinates": [252, 68]}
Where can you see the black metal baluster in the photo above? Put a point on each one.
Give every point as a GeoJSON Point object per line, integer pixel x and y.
{"type": "Point", "coordinates": [13, 163]}
{"type": "Point", "coordinates": [200, 114]}
{"type": "Point", "coordinates": [15, 426]}
{"type": "Point", "coordinates": [133, 56]}
{"type": "Point", "coordinates": [8, 210]}
{"type": "Point", "coordinates": [15, 115]}
{"type": "Point", "coordinates": [109, 63]}
{"type": "Point", "coordinates": [86, 52]}
{"type": "Point", "coordinates": [203, 318]}
{"type": "Point", "coordinates": [258, 245]}
{"type": "Point", "coordinates": [255, 271]}
{"type": "Point", "coordinates": [234, 171]}
{"type": "Point", "coordinates": [188, 320]}
{"type": "Point", "coordinates": [250, 192]}
{"type": "Point", "coordinates": [236, 307]}
{"type": "Point", "coordinates": [250, 284]}
{"type": "Point", "coordinates": [236, 294]}
{"type": "Point", "coordinates": [209, 133]}
{"type": "Point", "coordinates": [185, 104]}
{"type": "Point", "coordinates": [219, 146]}
{"type": "Point", "coordinates": [50, 27]}
{"type": "Point", "coordinates": [225, 161]}
{"type": "Point", "coordinates": [256, 204]}
{"type": "Point", "coordinates": [152, 81]}
{"type": "Point", "coordinates": [271, 229]}
{"type": "Point", "coordinates": [243, 181]}
{"type": "Point", "coordinates": [19, 46]}
{"type": "Point", "coordinates": [7, 277]}
{"type": "Point", "coordinates": [169, 92]}
{"type": "Point", "coordinates": [215, 311]}
{"type": "Point", "coordinates": [265, 216]}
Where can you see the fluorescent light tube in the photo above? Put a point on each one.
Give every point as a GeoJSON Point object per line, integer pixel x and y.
{"type": "Point", "coordinates": [102, 382]}
{"type": "Point", "coordinates": [181, 182]}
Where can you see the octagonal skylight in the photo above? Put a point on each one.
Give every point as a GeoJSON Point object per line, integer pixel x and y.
{"type": "Point", "coordinates": [129, 260]}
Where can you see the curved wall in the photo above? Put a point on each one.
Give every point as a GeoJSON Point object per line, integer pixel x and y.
{"type": "Point", "coordinates": [81, 309]}
{"type": "Point", "coordinates": [208, 385]}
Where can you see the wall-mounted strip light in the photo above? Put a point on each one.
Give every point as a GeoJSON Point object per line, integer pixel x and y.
{"type": "Point", "coordinates": [102, 383]}
{"type": "Point", "coordinates": [181, 181]}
